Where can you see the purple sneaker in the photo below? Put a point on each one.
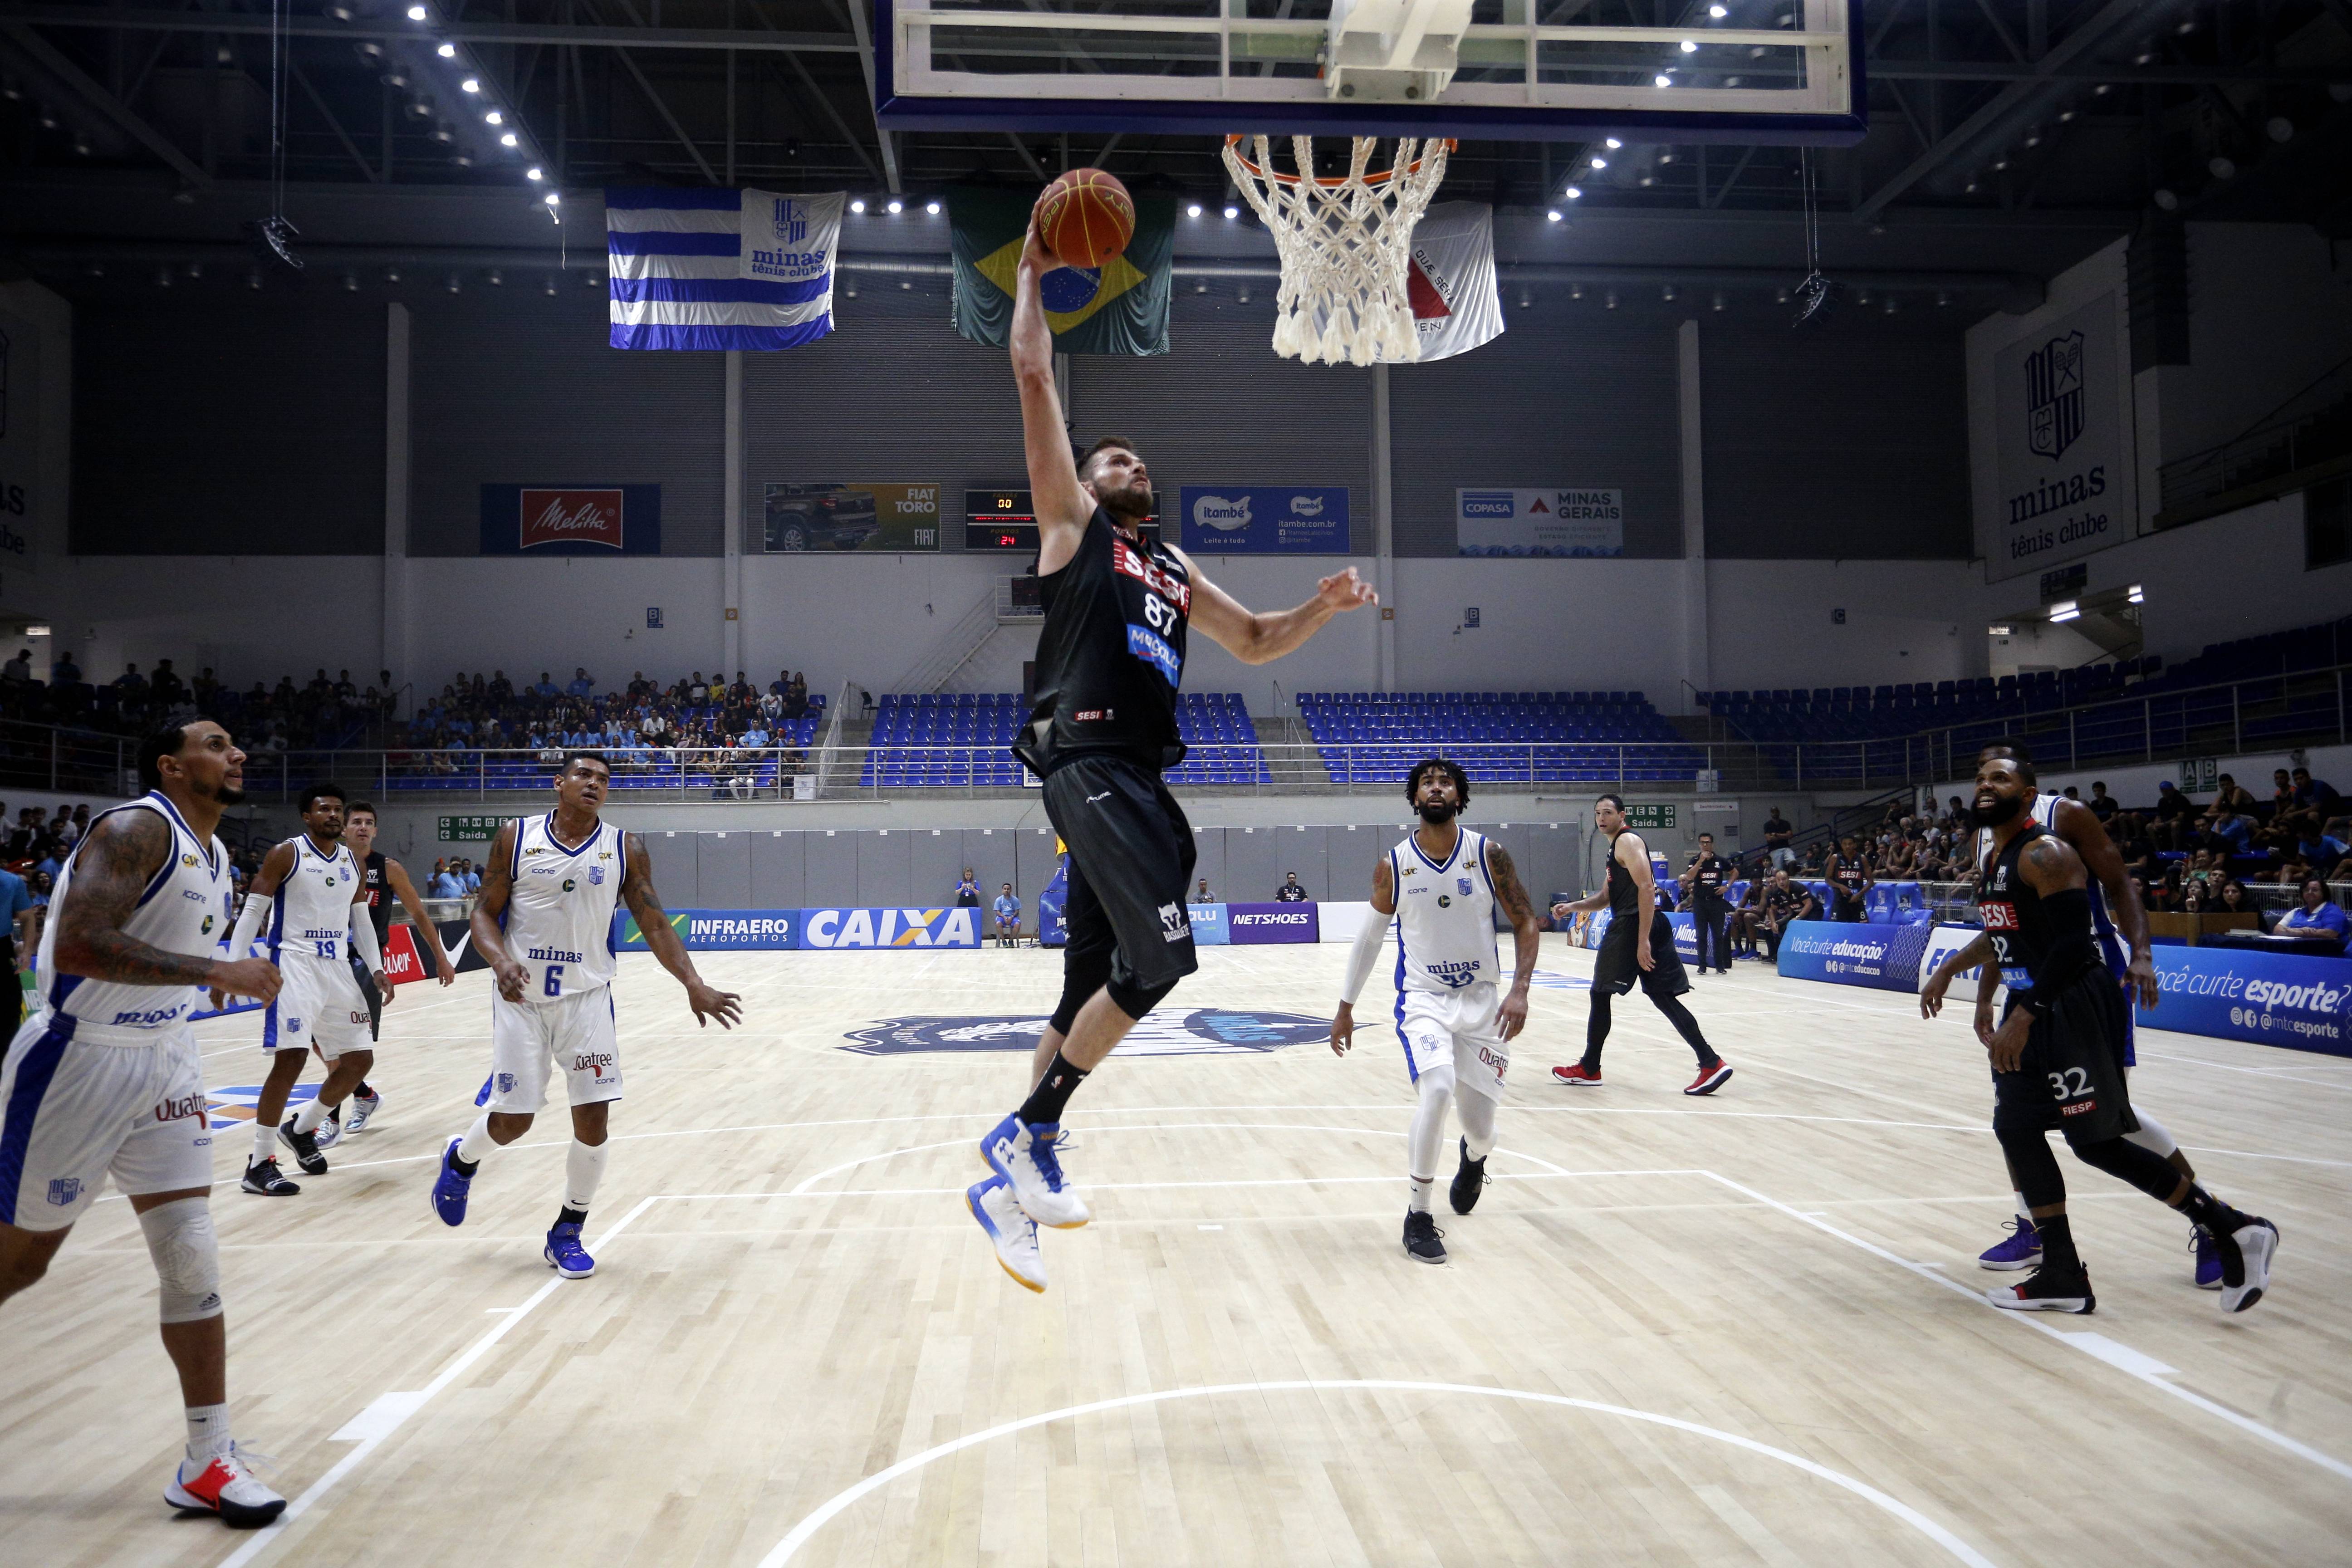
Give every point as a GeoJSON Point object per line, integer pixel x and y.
{"type": "Point", "coordinates": [2208, 1258]}
{"type": "Point", "coordinates": [2021, 1248]}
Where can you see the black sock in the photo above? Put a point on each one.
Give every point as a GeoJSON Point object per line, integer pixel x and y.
{"type": "Point", "coordinates": [363, 1091]}
{"type": "Point", "coordinates": [1596, 1030]}
{"type": "Point", "coordinates": [2058, 1255]}
{"type": "Point", "coordinates": [2218, 1217]}
{"type": "Point", "coordinates": [1043, 1106]}
{"type": "Point", "coordinates": [1688, 1027]}
{"type": "Point", "coordinates": [570, 1216]}
{"type": "Point", "coordinates": [463, 1167]}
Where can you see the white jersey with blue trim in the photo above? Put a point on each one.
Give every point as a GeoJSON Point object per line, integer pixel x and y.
{"type": "Point", "coordinates": [187, 908]}
{"type": "Point", "coordinates": [1445, 916]}
{"type": "Point", "coordinates": [2044, 810]}
{"type": "Point", "coordinates": [310, 913]}
{"type": "Point", "coordinates": [559, 917]}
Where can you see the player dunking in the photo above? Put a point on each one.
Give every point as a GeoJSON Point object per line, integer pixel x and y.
{"type": "Point", "coordinates": [2122, 938]}
{"type": "Point", "coordinates": [544, 921]}
{"type": "Point", "coordinates": [104, 1078]}
{"type": "Point", "coordinates": [1638, 948]}
{"type": "Point", "coordinates": [1111, 657]}
{"type": "Point", "coordinates": [309, 893]}
{"type": "Point", "coordinates": [1442, 885]}
{"type": "Point", "coordinates": [383, 878]}
{"type": "Point", "coordinates": [2058, 1057]}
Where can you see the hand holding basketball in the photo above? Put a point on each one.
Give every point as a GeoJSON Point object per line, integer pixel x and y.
{"type": "Point", "coordinates": [1084, 219]}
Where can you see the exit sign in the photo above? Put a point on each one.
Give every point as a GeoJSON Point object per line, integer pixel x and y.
{"type": "Point", "coordinates": [471, 829]}
{"type": "Point", "coordinates": [1657, 816]}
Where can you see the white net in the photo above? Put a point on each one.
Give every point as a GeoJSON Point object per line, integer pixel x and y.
{"type": "Point", "coordinates": [1345, 245]}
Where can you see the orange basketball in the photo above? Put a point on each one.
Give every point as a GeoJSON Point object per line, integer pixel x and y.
{"type": "Point", "coordinates": [1084, 217]}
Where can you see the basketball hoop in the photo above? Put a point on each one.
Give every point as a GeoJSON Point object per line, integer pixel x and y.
{"type": "Point", "coordinates": [1345, 245]}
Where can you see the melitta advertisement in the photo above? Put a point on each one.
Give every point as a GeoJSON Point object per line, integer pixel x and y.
{"type": "Point", "coordinates": [585, 518]}
{"type": "Point", "coordinates": [2061, 445]}
{"type": "Point", "coordinates": [1254, 924]}
{"type": "Point", "coordinates": [1263, 520]}
{"type": "Point", "coordinates": [1511, 522]}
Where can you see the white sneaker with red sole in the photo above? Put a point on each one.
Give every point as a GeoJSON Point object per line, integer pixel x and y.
{"type": "Point", "coordinates": [1709, 1079]}
{"type": "Point", "coordinates": [1576, 1074]}
{"type": "Point", "coordinates": [224, 1485]}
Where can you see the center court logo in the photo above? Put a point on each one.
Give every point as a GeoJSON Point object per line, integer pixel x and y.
{"type": "Point", "coordinates": [1205, 1031]}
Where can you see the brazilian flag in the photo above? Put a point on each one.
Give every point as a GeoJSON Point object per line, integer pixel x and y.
{"type": "Point", "coordinates": [1120, 308]}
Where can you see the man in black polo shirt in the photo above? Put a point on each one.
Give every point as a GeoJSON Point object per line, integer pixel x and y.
{"type": "Point", "coordinates": [1707, 876]}
{"type": "Point", "coordinates": [1290, 892]}
{"type": "Point", "coordinates": [1784, 901]}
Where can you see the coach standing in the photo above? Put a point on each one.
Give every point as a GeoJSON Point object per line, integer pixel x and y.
{"type": "Point", "coordinates": [1709, 875]}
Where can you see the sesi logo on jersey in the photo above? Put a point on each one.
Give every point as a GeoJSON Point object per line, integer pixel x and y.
{"type": "Point", "coordinates": [1999, 916]}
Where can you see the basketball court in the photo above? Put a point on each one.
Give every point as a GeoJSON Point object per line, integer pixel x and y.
{"type": "Point", "coordinates": [1743, 1330]}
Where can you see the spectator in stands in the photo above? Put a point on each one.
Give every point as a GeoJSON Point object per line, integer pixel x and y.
{"type": "Point", "coordinates": [445, 884]}
{"type": "Point", "coordinates": [2226, 832]}
{"type": "Point", "coordinates": [1290, 892]}
{"type": "Point", "coordinates": [130, 687]}
{"type": "Point", "coordinates": [698, 691]}
{"type": "Point", "coordinates": [19, 668]}
{"type": "Point", "coordinates": [580, 685]}
{"type": "Point", "coordinates": [1785, 901]}
{"type": "Point", "coordinates": [1817, 854]}
{"type": "Point", "coordinates": [1745, 914]}
{"type": "Point", "coordinates": [2174, 814]}
{"type": "Point", "coordinates": [2230, 792]}
{"type": "Point", "coordinates": [471, 878]}
{"type": "Point", "coordinates": [2282, 793]}
{"type": "Point", "coordinates": [2315, 916]}
{"type": "Point", "coordinates": [1777, 836]}
{"type": "Point", "coordinates": [2132, 842]}
{"type": "Point", "coordinates": [1200, 895]}
{"type": "Point", "coordinates": [547, 687]}
{"type": "Point", "coordinates": [2102, 805]}
{"type": "Point", "coordinates": [2315, 795]}
{"type": "Point", "coordinates": [1900, 860]}
{"type": "Point", "coordinates": [1008, 918]}
{"type": "Point", "coordinates": [64, 671]}
{"type": "Point", "coordinates": [2327, 852]}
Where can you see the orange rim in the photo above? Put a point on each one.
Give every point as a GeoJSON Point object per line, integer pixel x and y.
{"type": "Point", "coordinates": [1280, 178]}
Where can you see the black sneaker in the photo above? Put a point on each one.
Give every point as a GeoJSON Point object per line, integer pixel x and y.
{"type": "Point", "coordinates": [263, 1177]}
{"type": "Point", "coordinates": [1421, 1233]}
{"type": "Point", "coordinates": [2044, 1291]}
{"type": "Point", "coordinates": [1468, 1181]}
{"type": "Point", "coordinates": [305, 1149]}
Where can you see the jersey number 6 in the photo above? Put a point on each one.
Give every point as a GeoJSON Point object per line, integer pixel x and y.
{"type": "Point", "coordinates": [554, 987]}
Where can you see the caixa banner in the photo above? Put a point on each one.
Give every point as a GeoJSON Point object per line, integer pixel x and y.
{"type": "Point", "coordinates": [1252, 924]}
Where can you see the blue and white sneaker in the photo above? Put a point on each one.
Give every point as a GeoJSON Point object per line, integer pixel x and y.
{"type": "Point", "coordinates": [564, 1251]}
{"type": "Point", "coordinates": [1010, 1230]}
{"type": "Point", "coordinates": [329, 1132]}
{"type": "Point", "coordinates": [449, 1188]}
{"type": "Point", "coordinates": [2019, 1249]}
{"type": "Point", "coordinates": [2209, 1257]}
{"type": "Point", "coordinates": [2257, 1243]}
{"type": "Point", "coordinates": [363, 1107]}
{"type": "Point", "coordinates": [1024, 1155]}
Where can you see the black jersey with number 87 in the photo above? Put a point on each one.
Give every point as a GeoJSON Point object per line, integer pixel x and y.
{"type": "Point", "coordinates": [1110, 656]}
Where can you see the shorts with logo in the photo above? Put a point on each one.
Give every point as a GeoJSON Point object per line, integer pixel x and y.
{"type": "Point", "coordinates": [1457, 1029]}
{"type": "Point", "coordinates": [573, 1035]}
{"type": "Point", "coordinates": [1617, 968]}
{"type": "Point", "coordinates": [78, 1101]}
{"type": "Point", "coordinates": [319, 1004]}
{"type": "Point", "coordinates": [2070, 1079]}
{"type": "Point", "coordinates": [1131, 856]}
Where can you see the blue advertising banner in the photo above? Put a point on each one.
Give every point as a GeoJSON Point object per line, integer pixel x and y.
{"type": "Point", "coordinates": [1883, 957]}
{"type": "Point", "coordinates": [1209, 925]}
{"type": "Point", "coordinates": [571, 520]}
{"type": "Point", "coordinates": [1252, 924]}
{"type": "Point", "coordinates": [1685, 934]}
{"type": "Point", "coordinates": [2268, 998]}
{"type": "Point", "coordinates": [1263, 520]}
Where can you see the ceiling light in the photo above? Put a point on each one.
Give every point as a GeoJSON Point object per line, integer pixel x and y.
{"type": "Point", "coordinates": [1233, 211]}
{"type": "Point", "coordinates": [447, 51]}
{"type": "Point", "coordinates": [1689, 47]}
{"type": "Point", "coordinates": [552, 199]}
{"type": "Point", "coordinates": [339, 13]}
{"type": "Point", "coordinates": [416, 13]}
{"type": "Point", "coordinates": [1573, 194]}
{"type": "Point", "coordinates": [2000, 631]}
{"type": "Point", "coordinates": [1193, 209]}
{"type": "Point", "coordinates": [351, 282]}
{"type": "Point", "coordinates": [1610, 298]}
{"type": "Point", "coordinates": [1576, 290]}
{"type": "Point", "coordinates": [2066, 115]}
{"type": "Point", "coordinates": [1200, 285]}
{"type": "Point", "coordinates": [1242, 294]}
{"type": "Point", "coordinates": [1613, 143]}
{"type": "Point", "coordinates": [496, 278]}
{"type": "Point", "coordinates": [252, 278]}
{"type": "Point", "coordinates": [1731, 82]}
{"type": "Point", "coordinates": [1664, 81]}
{"type": "Point", "coordinates": [2135, 595]}
{"type": "Point", "coordinates": [593, 279]}
{"type": "Point", "coordinates": [894, 206]}
{"type": "Point", "coordinates": [1647, 181]}
{"type": "Point", "coordinates": [452, 285]}
{"type": "Point", "coordinates": [534, 172]}
{"type": "Point", "coordinates": [1667, 293]}
{"type": "Point", "coordinates": [2147, 53]}
{"type": "Point", "coordinates": [507, 140]}
{"type": "Point", "coordinates": [2222, 168]}
{"type": "Point", "coordinates": [1943, 299]}
{"type": "Point", "coordinates": [1599, 161]}
{"type": "Point", "coordinates": [1553, 216]}
{"type": "Point", "coordinates": [195, 269]}
{"type": "Point", "coordinates": [1890, 304]}
{"type": "Point", "coordinates": [858, 205]}
{"type": "Point", "coordinates": [2065, 610]}
{"type": "Point", "coordinates": [1779, 296]}
{"type": "Point", "coordinates": [1527, 300]}
{"type": "Point", "coordinates": [2187, 25]}
{"type": "Point", "coordinates": [2101, 90]}
{"type": "Point", "coordinates": [1719, 300]}
{"type": "Point", "coordinates": [550, 285]}
{"type": "Point", "coordinates": [494, 118]}
{"type": "Point", "coordinates": [1718, 12]}
{"type": "Point", "coordinates": [392, 274]}
{"type": "Point", "coordinates": [2033, 136]}
{"type": "Point", "coordinates": [162, 278]}
{"type": "Point", "coordinates": [471, 84]}
{"type": "Point", "coordinates": [932, 208]}
{"type": "Point", "coordinates": [2280, 128]}
{"type": "Point", "coordinates": [1999, 164]}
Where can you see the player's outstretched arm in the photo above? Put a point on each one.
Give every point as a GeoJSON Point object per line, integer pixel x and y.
{"type": "Point", "coordinates": [490, 938]}
{"type": "Point", "coordinates": [1062, 505]}
{"type": "Point", "coordinates": [637, 893]}
{"type": "Point", "coordinates": [122, 855]}
{"type": "Point", "coordinates": [1265, 635]}
{"type": "Point", "coordinates": [1360, 956]}
{"type": "Point", "coordinates": [396, 876]}
{"type": "Point", "coordinates": [1527, 941]}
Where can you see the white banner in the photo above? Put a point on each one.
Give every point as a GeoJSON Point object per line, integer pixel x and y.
{"type": "Point", "coordinates": [2061, 445]}
{"type": "Point", "coordinates": [1456, 304]}
{"type": "Point", "coordinates": [1539, 522]}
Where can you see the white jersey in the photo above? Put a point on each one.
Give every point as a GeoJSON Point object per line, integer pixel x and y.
{"type": "Point", "coordinates": [559, 919]}
{"type": "Point", "coordinates": [1445, 917]}
{"type": "Point", "coordinates": [310, 914]}
{"type": "Point", "coordinates": [185, 909]}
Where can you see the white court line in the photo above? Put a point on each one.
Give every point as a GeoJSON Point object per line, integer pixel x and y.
{"type": "Point", "coordinates": [808, 1527]}
{"type": "Point", "coordinates": [2099, 1346]}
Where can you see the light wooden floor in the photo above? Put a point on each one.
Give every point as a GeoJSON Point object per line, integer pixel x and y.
{"type": "Point", "coordinates": [1743, 1330]}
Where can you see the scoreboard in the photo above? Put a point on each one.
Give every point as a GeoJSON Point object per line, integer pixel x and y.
{"type": "Point", "coordinates": [1005, 519]}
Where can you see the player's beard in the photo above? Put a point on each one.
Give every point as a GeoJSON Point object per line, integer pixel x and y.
{"type": "Point", "coordinates": [1438, 812]}
{"type": "Point", "coordinates": [2001, 811]}
{"type": "Point", "coordinates": [1133, 503]}
{"type": "Point", "coordinates": [221, 793]}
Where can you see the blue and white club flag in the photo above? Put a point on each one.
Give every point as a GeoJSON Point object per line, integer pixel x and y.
{"type": "Point", "coordinates": [721, 269]}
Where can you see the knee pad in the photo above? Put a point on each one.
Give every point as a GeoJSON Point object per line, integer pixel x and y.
{"type": "Point", "coordinates": [2034, 1167]}
{"type": "Point", "coordinates": [2153, 1136]}
{"type": "Point", "coordinates": [187, 1251]}
{"type": "Point", "coordinates": [1083, 974]}
{"type": "Point", "coordinates": [1134, 1001]}
{"type": "Point", "coordinates": [2127, 1160]}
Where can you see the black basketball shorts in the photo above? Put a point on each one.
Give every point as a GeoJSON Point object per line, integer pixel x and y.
{"type": "Point", "coordinates": [1131, 856]}
{"type": "Point", "coordinates": [1617, 968]}
{"type": "Point", "coordinates": [2070, 1078]}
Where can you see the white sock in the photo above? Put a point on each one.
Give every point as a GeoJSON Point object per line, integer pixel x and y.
{"type": "Point", "coordinates": [307, 1120]}
{"type": "Point", "coordinates": [584, 1167]}
{"type": "Point", "coordinates": [265, 1140]}
{"type": "Point", "coordinates": [1428, 1132]}
{"type": "Point", "coordinates": [1478, 1114]}
{"type": "Point", "coordinates": [207, 1432]}
{"type": "Point", "coordinates": [477, 1141]}
{"type": "Point", "coordinates": [1419, 1202]}
{"type": "Point", "coordinates": [2024, 1214]}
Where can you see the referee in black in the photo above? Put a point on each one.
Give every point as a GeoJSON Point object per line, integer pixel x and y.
{"type": "Point", "coordinates": [1708, 876]}
{"type": "Point", "coordinates": [1101, 729]}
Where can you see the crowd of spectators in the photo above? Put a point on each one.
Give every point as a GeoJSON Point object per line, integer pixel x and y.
{"type": "Point", "coordinates": [694, 723]}
{"type": "Point", "coordinates": [319, 715]}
